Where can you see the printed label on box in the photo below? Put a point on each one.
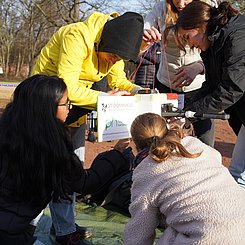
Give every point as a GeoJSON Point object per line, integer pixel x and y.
{"type": "Point", "coordinates": [115, 114]}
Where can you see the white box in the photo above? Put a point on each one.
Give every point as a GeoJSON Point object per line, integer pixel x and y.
{"type": "Point", "coordinates": [115, 114]}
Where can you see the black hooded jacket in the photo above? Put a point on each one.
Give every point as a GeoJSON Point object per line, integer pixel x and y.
{"type": "Point", "coordinates": [224, 61]}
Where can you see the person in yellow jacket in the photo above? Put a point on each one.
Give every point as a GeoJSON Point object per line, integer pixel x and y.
{"type": "Point", "coordinates": [83, 53]}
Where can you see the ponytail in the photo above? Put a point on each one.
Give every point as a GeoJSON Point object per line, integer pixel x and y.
{"type": "Point", "coordinates": [164, 147]}
{"type": "Point", "coordinates": [151, 131]}
{"type": "Point", "coordinates": [220, 16]}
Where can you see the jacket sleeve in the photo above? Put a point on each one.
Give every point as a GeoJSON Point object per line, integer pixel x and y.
{"type": "Point", "coordinates": [72, 54]}
{"type": "Point", "coordinates": [104, 167]}
{"type": "Point", "coordinates": [232, 86]}
{"type": "Point", "coordinates": [155, 16]}
{"type": "Point", "coordinates": [140, 228]}
{"type": "Point", "coordinates": [117, 77]}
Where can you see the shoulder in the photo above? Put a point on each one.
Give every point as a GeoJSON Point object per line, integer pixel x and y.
{"type": "Point", "coordinates": [148, 179]}
{"type": "Point", "coordinates": [160, 7]}
{"type": "Point", "coordinates": [236, 23]}
{"type": "Point", "coordinates": [91, 28]}
{"type": "Point", "coordinates": [144, 169]}
{"type": "Point", "coordinates": [149, 171]}
{"type": "Point", "coordinates": [194, 145]}
{"type": "Point", "coordinates": [231, 36]}
{"type": "Point", "coordinates": [161, 4]}
{"type": "Point", "coordinates": [155, 17]}
{"type": "Point", "coordinates": [191, 142]}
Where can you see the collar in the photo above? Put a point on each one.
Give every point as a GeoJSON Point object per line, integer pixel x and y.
{"type": "Point", "coordinates": [140, 157]}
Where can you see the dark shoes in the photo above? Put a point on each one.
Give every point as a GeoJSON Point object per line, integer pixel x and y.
{"type": "Point", "coordinates": [71, 239]}
{"type": "Point", "coordinates": [75, 238]}
{"type": "Point", "coordinates": [84, 231]}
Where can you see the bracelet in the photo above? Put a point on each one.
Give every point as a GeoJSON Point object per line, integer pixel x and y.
{"type": "Point", "coordinates": [201, 63]}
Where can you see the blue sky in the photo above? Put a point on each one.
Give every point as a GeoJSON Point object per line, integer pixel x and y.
{"type": "Point", "coordinates": [128, 5]}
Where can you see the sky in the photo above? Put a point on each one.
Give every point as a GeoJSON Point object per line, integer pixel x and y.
{"type": "Point", "coordinates": [129, 5]}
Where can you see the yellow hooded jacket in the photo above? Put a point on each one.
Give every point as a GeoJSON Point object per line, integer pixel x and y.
{"type": "Point", "coordinates": [71, 55]}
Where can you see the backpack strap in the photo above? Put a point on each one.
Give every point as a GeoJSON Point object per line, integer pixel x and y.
{"type": "Point", "coordinates": [114, 187]}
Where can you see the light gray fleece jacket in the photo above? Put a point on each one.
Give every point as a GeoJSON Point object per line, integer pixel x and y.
{"type": "Point", "coordinates": [175, 58]}
{"type": "Point", "coordinates": [195, 198]}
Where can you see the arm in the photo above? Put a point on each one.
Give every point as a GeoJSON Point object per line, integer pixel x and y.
{"type": "Point", "coordinates": [73, 51]}
{"type": "Point", "coordinates": [154, 25]}
{"type": "Point", "coordinates": [104, 167]}
{"type": "Point", "coordinates": [232, 85]}
{"type": "Point", "coordinates": [156, 16]}
{"type": "Point", "coordinates": [117, 79]}
{"type": "Point", "coordinates": [140, 229]}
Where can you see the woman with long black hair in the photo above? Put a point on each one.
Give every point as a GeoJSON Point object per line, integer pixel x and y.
{"type": "Point", "coordinates": [37, 161]}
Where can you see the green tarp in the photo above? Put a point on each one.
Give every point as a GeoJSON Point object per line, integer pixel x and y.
{"type": "Point", "coordinates": [107, 225]}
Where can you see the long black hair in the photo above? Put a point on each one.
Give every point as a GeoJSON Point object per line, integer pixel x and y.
{"type": "Point", "coordinates": [198, 14]}
{"type": "Point", "coordinates": [35, 149]}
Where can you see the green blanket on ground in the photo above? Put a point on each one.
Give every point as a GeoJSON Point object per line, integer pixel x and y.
{"type": "Point", "coordinates": [107, 225]}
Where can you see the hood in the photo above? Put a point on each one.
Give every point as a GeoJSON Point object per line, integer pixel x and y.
{"type": "Point", "coordinates": [123, 36]}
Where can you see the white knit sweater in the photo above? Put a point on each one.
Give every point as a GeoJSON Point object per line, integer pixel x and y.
{"type": "Point", "coordinates": [196, 199]}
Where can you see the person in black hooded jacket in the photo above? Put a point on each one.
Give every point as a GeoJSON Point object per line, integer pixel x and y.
{"type": "Point", "coordinates": [220, 34]}
{"type": "Point", "coordinates": [37, 160]}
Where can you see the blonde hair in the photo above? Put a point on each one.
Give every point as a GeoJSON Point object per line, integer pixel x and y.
{"type": "Point", "coordinates": [172, 12]}
{"type": "Point", "coordinates": [151, 131]}
{"type": "Point", "coordinates": [172, 15]}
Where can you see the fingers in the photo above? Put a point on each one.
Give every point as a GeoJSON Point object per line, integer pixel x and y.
{"type": "Point", "coordinates": [122, 144]}
{"type": "Point", "coordinates": [147, 36]}
{"type": "Point", "coordinates": [121, 93]}
{"type": "Point", "coordinates": [113, 91]}
{"type": "Point", "coordinates": [175, 120]}
{"type": "Point", "coordinates": [117, 92]}
{"type": "Point", "coordinates": [151, 35]}
{"type": "Point", "coordinates": [184, 76]}
{"type": "Point", "coordinates": [181, 80]}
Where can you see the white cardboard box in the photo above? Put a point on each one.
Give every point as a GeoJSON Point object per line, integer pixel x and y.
{"type": "Point", "coordinates": [116, 113]}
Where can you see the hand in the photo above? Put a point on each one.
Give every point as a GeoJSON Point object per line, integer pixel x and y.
{"type": "Point", "coordinates": [117, 92]}
{"type": "Point", "coordinates": [149, 36]}
{"type": "Point", "coordinates": [186, 74]}
{"type": "Point", "coordinates": [176, 120]}
{"type": "Point", "coordinates": [121, 145]}
{"type": "Point", "coordinates": [184, 123]}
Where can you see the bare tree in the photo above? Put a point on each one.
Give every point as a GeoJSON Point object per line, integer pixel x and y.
{"type": "Point", "coordinates": [36, 28]}
{"type": "Point", "coordinates": [8, 30]}
{"type": "Point", "coordinates": [27, 25]}
{"type": "Point", "coordinates": [143, 6]}
{"type": "Point", "coordinates": [70, 11]}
